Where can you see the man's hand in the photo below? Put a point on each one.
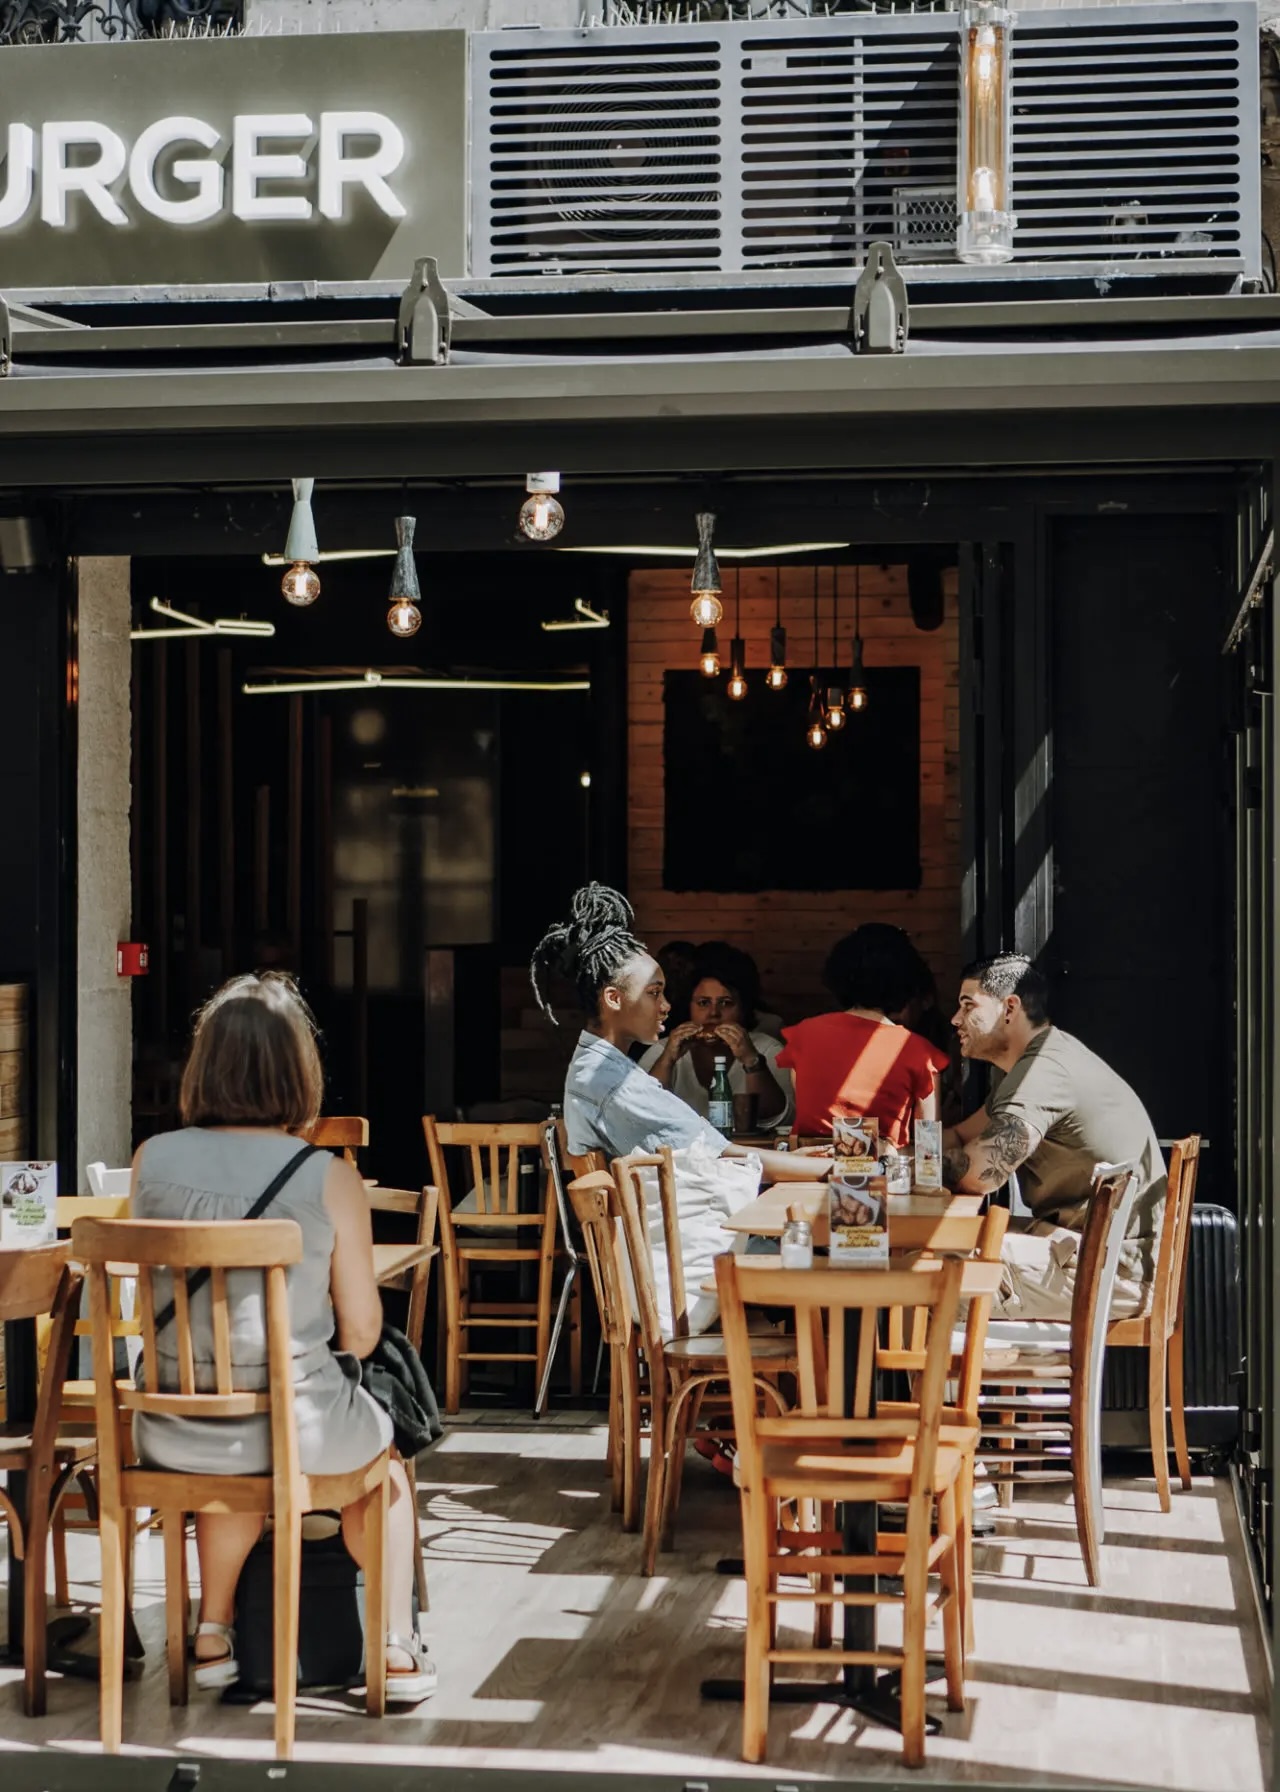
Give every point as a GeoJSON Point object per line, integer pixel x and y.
{"type": "Point", "coordinates": [986, 1162]}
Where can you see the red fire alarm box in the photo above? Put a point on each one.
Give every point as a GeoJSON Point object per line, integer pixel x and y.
{"type": "Point", "coordinates": [131, 959]}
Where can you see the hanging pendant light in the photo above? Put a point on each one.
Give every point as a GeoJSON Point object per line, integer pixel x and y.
{"type": "Point", "coordinates": [857, 676]}
{"type": "Point", "coordinates": [542, 514]}
{"type": "Point", "coordinates": [776, 677]}
{"type": "Point", "coordinates": [816, 731]}
{"type": "Point", "coordinates": [706, 608]}
{"type": "Point", "coordinates": [300, 584]}
{"type": "Point", "coordinates": [709, 659]}
{"type": "Point", "coordinates": [404, 618]}
{"type": "Point", "coordinates": [835, 690]}
{"type": "Point", "coordinates": [736, 689]}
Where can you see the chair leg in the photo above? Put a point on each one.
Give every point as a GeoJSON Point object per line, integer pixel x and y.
{"type": "Point", "coordinates": [824, 1517]}
{"type": "Point", "coordinates": [629, 1443]}
{"type": "Point", "coordinates": [452, 1335]}
{"type": "Point", "coordinates": [1086, 1491]}
{"type": "Point", "coordinates": [952, 1610]}
{"type": "Point", "coordinates": [61, 1580]}
{"type": "Point", "coordinates": [175, 1602]}
{"type": "Point", "coordinates": [375, 1597]}
{"type": "Point", "coordinates": [756, 1674]}
{"type": "Point", "coordinates": [1156, 1410]}
{"type": "Point", "coordinates": [614, 1457]}
{"type": "Point", "coordinates": [964, 1555]}
{"type": "Point", "coordinates": [419, 1559]}
{"type": "Point", "coordinates": [547, 1357]}
{"type": "Point", "coordinates": [1178, 1410]}
{"type": "Point", "coordinates": [111, 1629]}
{"type": "Point", "coordinates": [575, 1340]}
{"type": "Point", "coordinates": [35, 1614]}
{"type": "Point", "coordinates": [680, 1420]}
{"type": "Point", "coordinates": [915, 1588]}
{"type": "Point", "coordinates": [287, 1549]}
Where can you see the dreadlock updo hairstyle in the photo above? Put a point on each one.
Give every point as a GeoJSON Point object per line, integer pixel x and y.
{"type": "Point", "coordinates": [589, 949]}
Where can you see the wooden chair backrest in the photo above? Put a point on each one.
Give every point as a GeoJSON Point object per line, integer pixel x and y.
{"type": "Point", "coordinates": [1170, 1292]}
{"type": "Point", "coordinates": [493, 1154]}
{"type": "Point", "coordinates": [584, 1163]}
{"type": "Point", "coordinates": [819, 1301]}
{"type": "Point", "coordinates": [594, 1199]}
{"type": "Point", "coordinates": [347, 1133]}
{"type": "Point", "coordinates": [1097, 1258]}
{"type": "Point", "coordinates": [70, 1208]}
{"type": "Point", "coordinates": [173, 1249]}
{"type": "Point", "coordinates": [36, 1280]}
{"type": "Point", "coordinates": [633, 1206]}
{"type": "Point", "coordinates": [907, 1332]}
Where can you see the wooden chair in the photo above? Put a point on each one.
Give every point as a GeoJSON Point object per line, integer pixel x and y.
{"type": "Point", "coordinates": [413, 1281]}
{"type": "Point", "coordinates": [905, 1349]}
{"type": "Point", "coordinates": [77, 1506]}
{"type": "Point", "coordinates": [347, 1133]}
{"type": "Point", "coordinates": [680, 1369]}
{"type": "Point", "coordinates": [1042, 1414]}
{"type": "Point", "coordinates": [827, 1450]}
{"type": "Point", "coordinates": [561, 1163]}
{"type": "Point", "coordinates": [492, 1153]}
{"type": "Point", "coordinates": [34, 1281]}
{"type": "Point", "coordinates": [285, 1494]}
{"type": "Point", "coordinates": [594, 1198]}
{"type": "Point", "coordinates": [1159, 1331]}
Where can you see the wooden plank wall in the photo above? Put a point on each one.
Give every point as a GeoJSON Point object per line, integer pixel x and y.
{"type": "Point", "coordinates": [789, 932]}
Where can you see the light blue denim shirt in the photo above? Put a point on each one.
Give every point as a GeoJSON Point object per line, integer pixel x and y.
{"type": "Point", "coordinates": [611, 1105]}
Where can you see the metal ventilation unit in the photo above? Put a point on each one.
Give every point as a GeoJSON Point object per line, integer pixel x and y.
{"type": "Point", "coordinates": [736, 148]}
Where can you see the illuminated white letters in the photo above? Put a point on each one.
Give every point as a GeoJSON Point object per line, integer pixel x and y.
{"type": "Point", "coordinates": [83, 157]}
{"type": "Point", "coordinates": [20, 172]}
{"type": "Point", "coordinates": [58, 176]}
{"type": "Point", "coordinates": [252, 165]}
{"type": "Point", "coordinates": [339, 170]}
{"type": "Point", "coordinates": [204, 176]}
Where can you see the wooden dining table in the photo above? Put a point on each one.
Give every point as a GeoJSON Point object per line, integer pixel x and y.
{"type": "Point", "coordinates": [917, 1222]}
{"type": "Point", "coordinates": [391, 1260]}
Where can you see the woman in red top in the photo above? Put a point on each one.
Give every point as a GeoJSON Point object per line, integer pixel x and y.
{"type": "Point", "coordinates": [859, 1061]}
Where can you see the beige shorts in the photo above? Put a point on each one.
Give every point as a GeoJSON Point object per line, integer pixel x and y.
{"type": "Point", "coordinates": [1040, 1277]}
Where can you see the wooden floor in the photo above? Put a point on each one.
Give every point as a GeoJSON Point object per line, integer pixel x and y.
{"type": "Point", "coordinates": [554, 1653]}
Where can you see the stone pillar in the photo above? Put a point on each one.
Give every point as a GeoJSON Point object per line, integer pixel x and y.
{"type": "Point", "coordinates": [104, 1045]}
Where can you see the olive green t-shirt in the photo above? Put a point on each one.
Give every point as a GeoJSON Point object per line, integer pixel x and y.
{"type": "Point", "coordinates": [1085, 1115]}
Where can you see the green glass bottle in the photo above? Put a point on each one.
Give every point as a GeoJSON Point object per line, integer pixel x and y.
{"type": "Point", "coordinates": [720, 1099]}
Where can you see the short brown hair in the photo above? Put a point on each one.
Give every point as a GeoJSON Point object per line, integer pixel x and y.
{"type": "Point", "coordinates": [253, 1058]}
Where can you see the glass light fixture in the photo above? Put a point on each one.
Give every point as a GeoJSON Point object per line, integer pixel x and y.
{"type": "Point", "coordinates": [404, 618]}
{"type": "Point", "coordinates": [737, 685]}
{"type": "Point", "coordinates": [709, 660]}
{"type": "Point", "coordinates": [816, 732]}
{"type": "Point", "coordinates": [985, 226]}
{"type": "Point", "coordinates": [857, 699]}
{"type": "Point", "coordinates": [706, 608]}
{"type": "Point", "coordinates": [542, 514]}
{"type": "Point", "coordinates": [776, 677]}
{"type": "Point", "coordinates": [301, 584]}
{"type": "Point", "coordinates": [835, 690]}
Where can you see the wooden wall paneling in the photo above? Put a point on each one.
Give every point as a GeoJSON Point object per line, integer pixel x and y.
{"type": "Point", "coordinates": [261, 863]}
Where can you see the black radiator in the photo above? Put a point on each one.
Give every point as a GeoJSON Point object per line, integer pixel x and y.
{"type": "Point", "coordinates": [1211, 1354]}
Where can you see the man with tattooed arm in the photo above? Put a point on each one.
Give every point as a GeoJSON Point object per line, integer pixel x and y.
{"type": "Point", "coordinates": [1055, 1110]}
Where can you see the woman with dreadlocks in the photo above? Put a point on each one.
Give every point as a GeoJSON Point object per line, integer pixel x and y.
{"type": "Point", "coordinates": [610, 1103]}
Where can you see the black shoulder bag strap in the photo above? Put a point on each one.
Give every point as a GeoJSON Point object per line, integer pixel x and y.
{"type": "Point", "coordinates": [256, 1212]}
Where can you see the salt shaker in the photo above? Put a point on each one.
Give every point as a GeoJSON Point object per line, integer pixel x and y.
{"type": "Point", "coordinates": [797, 1245]}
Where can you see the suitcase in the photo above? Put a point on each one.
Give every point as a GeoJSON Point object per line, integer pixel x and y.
{"type": "Point", "coordinates": [1211, 1352]}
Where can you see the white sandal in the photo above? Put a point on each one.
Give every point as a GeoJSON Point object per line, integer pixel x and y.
{"type": "Point", "coordinates": [212, 1674]}
{"type": "Point", "coordinates": [409, 1686]}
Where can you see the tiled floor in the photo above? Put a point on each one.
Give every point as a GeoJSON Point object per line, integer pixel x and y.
{"type": "Point", "coordinates": [555, 1653]}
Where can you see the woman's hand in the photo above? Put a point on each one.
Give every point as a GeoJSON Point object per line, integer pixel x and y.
{"type": "Point", "coordinates": [738, 1040]}
{"type": "Point", "coordinates": [678, 1041]}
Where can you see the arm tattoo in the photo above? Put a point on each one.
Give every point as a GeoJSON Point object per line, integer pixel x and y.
{"type": "Point", "coordinates": [1007, 1143]}
{"type": "Point", "coordinates": [955, 1167]}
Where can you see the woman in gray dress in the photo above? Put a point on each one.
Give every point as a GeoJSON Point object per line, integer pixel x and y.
{"type": "Point", "coordinates": [252, 1086]}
